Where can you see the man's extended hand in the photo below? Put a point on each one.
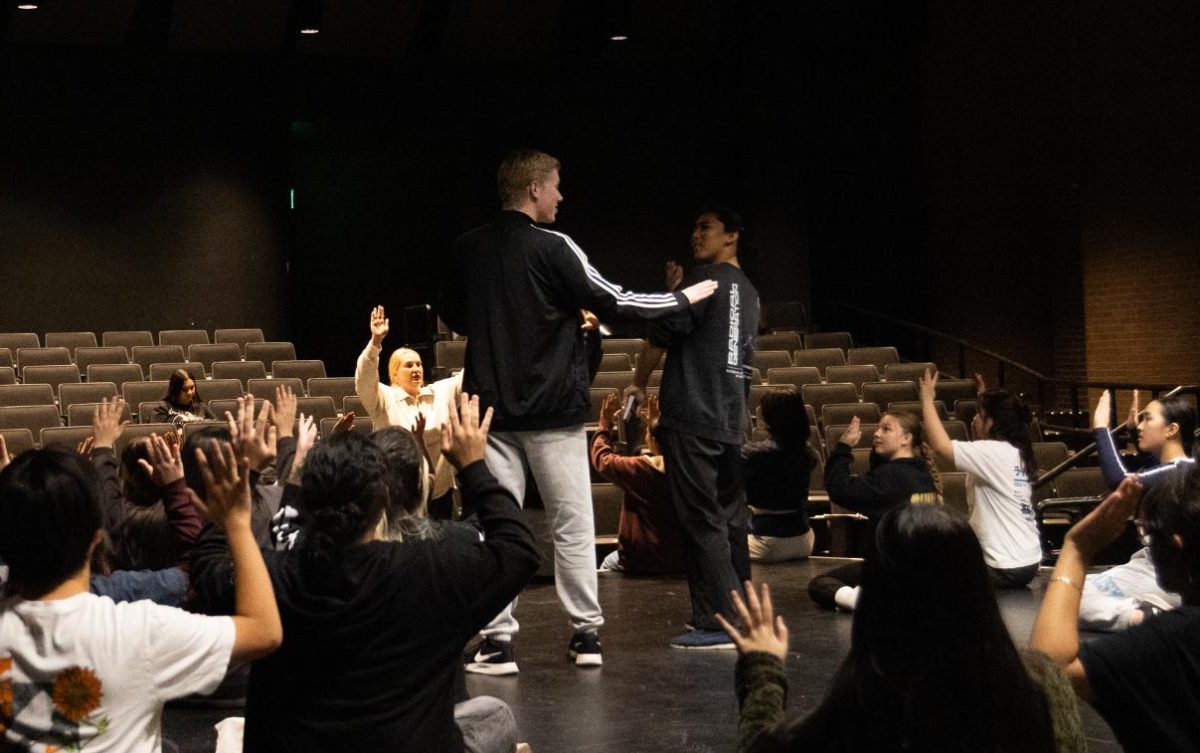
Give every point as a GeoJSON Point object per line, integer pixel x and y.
{"type": "Point", "coordinates": [700, 291]}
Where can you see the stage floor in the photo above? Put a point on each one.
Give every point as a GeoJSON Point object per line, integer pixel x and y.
{"type": "Point", "coordinates": [648, 696]}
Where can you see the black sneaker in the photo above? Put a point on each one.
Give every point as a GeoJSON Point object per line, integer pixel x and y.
{"type": "Point", "coordinates": [585, 650]}
{"type": "Point", "coordinates": [492, 658]}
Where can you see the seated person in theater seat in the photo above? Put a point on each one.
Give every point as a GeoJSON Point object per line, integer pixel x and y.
{"type": "Point", "coordinates": [931, 665]}
{"type": "Point", "coordinates": [1124, 595]}
{"type": "Point", "coordinates": [776, 473]}
{"type": "Point", "coordinates": [408, 402]}
{"type": "Point", "coordinates": [80, 672]}
{"type": "Point", "coordinates": [374, 629]}
{"type": "Point", "coordinates": [1142, 680]}
{"type": "Point", "coordinates": [181, 404]}
{"type": "Point", "coordinates": [648, 532]}
{"type": "Point", "coordinates": [1001, 463]}
{"type": "Point", "coordinates": [902, 472]}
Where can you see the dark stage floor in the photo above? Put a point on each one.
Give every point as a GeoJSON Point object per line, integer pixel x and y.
{"type": "Point", "coordinates": [648, 696]}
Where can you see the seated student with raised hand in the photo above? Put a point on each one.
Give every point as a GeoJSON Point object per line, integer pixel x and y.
{"type": "Point", "coordinates": [375, 628]}
{"type": "Point", "coordinates": [776, 473]}
{"type": "Point", "coordinates": [931, 664]}
{"type": "Point", "coordinates": [80, 672]}
{"type": "Point", "coordinates": [902, 472]}
{"type": "Point", "coordinates": [1122, 596]}
{"type": "Point", "coordinates": [1144, 681]}
{"type": "Point", "coordinates": [648, 531]}
{"type": "Point", "coordinates": [1001, 463]}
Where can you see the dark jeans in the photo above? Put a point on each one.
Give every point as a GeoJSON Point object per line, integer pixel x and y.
{"type": "Point", "coordinates": [705, 478]}
{"type": "Point", "coordinates": [1017, 577]}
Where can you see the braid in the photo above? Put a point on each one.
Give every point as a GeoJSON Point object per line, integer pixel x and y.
{"type": "Point", "coordinates": [927, 455]}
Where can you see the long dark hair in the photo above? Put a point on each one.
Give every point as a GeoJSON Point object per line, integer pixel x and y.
{"type": "Point", "coordinates": [787, 421]}
{"type": "Point", "coordinates": [175, 385]}
{"type": "Point", "coordinates": [931, 665]}
{"type": "Point", "coordinates": [343, 492]}
{"type": "Point", "coordinates": [145, 538]}
{"type": "Point", "coordinates": [1178, 410]}
{"type": "Point", "coordinates": [406, 513]}
{"type": "Point", "coordinates": [49, 514]}
{"type": "Point", "coordinates": [1011, 422]}
{"type": "Point", "coordinates": [1172, 506]}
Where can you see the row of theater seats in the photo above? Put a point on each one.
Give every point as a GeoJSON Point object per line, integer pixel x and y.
{"type": "Point", "coordinates": [203, 357]}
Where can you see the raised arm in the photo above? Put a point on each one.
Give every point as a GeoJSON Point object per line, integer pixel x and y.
{"type": "Point", "coordinates": [106, 428]}
{"type": "Point", "coordinates": [366, 370]}
{"type": "Point", "coordinates": [258, 630]}
{"type": "Point", "coordinates": [1056, 630]}
{"type": "Point", "coordinates": [1110, 459]}
{"type": "Point", "coordinates": [165, 468]}
{"type": "Point", "coordinates": [935, 433]}
{"type": "Point", "coordinates": [647, 362]}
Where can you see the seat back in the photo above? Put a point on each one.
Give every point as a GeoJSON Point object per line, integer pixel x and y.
{"type": "Point", "coordinates": [270, 352]}
{"type": "Point", "coordinates": [14, 340]}
{"type": "Point", "coordinates": [303, 369]}
{"type": "Point", "coordinates": [41, 357]}
{"type": "Point", "coordinates": [361, 424]}
{"type": "Point", "coordinates": [144, 355]}
{"type": "Point", "coordinates": [319, 408]}
{"type": "Point", "coordinates": [818, 395]}
{"type": "Point", "coordinates": [822, 358]}
{"type": "Point", "coordinates": [71, 341]}
{"type": "Point", "coordinates": [85, 357]}
{"type": "Point", "coordinates": [239, 336]}
{"type": "Point", "coordinates": [855, 374]}
{"type": "Point", "coordinates": [954, 491]}
{"type": "Point", "coordinates": [220, 389]}
{"type": "Point", "coordinates": [833, 414]}
{"type": "Point", "coordinates": [241, 370]}
{"type": "Point", "coordinates": [617, 380]}
{"type": "Point", "coordinates": [1049, 454]}
{"type": "Point", "coordinates": [8, 375]}
{"type": "Point", "coordinates": [32, 417]}
{"type": "Point", "coordinates": [629, 346]}
{"type": "Point", "coordinates": [822, 340]}
{"type": "Point", "coordinates": [211, 353]}
{"type": "Point", "coordinates": [877, 357]}
{"type": "Point", "coordinates": [450, 354]}
{"type": "Point", "coordinates": [17, 441]}
{"type": "Point", "coordinates": [88, 392]}
{"type": "Point", "coordinates": [797, 376]}
{"type": "Point", "coordinates": [606, 508]}
{"type": "Point", "coordinates": [81, 414]}
{"type": "Point", "coordinates": [26, 394]}
{"type": "Point", "coordinates": [338, 388]}
{"type": "Point", "coordinates": [616, 362]}
{"type": "Point", "coordinates": [160, 371]}
{"type": "Point", "coordinates": [886, 393]}
{"type": "Point", "coordinates": [908, 372]}
{"type": "Point", "coordinates": [117, 373]}
{"type": "Point", "coordinates": [265, 388]}
{"type": "Point", "coordinates": [128, 339]}
{"type": "Point", "coordinates": [950, 390]}
{"type": "Point", "coordinates": [771, 359]}
{"type": "Point", "coordinates": [184, 338]}
{"type": "Point", "coordinates": [136, 393]}
{"type": "Point", "coordinates": [789, 341]}
{"type": "Point", "coordinates": [52, 375]}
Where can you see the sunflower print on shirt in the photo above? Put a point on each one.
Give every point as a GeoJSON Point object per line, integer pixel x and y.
{"type": "Point", "coordinates": [52, 716]}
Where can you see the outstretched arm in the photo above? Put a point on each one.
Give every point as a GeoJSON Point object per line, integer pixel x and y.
{"type": "Point", "coordinates": [935, 433]}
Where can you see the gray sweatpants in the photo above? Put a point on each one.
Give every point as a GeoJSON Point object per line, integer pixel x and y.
{"type": "Point", "coordinates": [558, 461]}
{"type": "Point", "coordinates": [487, 725]}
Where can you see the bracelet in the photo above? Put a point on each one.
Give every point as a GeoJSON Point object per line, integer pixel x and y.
{"type": "Point", "coordinates": [1068, 581]}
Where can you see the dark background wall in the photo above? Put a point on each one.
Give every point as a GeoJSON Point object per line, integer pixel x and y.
{"type": "Point", "coordinates": [999, 172]}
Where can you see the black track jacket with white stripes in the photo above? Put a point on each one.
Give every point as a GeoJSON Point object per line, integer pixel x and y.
{"type": "Point", "coordinates": [515, 291]}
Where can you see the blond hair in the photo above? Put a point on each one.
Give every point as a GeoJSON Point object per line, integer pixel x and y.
{"type": "Point", "coordinates": [518, 170]}
{"type": "Point", "coordinates": [394, 361]}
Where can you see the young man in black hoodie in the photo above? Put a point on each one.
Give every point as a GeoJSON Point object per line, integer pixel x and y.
{"type": "Point", "coordinates": [516, 291]}
{"type": "Point", "coordinates": [703, 422]}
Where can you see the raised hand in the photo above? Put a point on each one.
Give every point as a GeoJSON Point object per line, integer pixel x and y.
{"type": "Point", "coordinates": [1103, 413]}
{"type": "Point", "coordinates": [652, 410]}
{"type": "Point", "coordinates": [107, 423]}
{"type": "Point", "coordinates": [980, 384]}
{"type": "Point", "coordinates": [1103, 525]}
{"type": "Point", "coordinates": [639, 395]}
{"type": "Point", "coordinates": [700, 291]}
{"type": "Point", "coordinates": [165, 465]}
{"type": "Point", "coordinates": [763, 630]}
{"type": "Point", "coordinates": [304, 442]}
{"type": "Point", "coordinates": [418, 429]}
{"type": "Point", "coordinates": [853, 433]}
{"type": "Point", "coordinates": [227, 487]}
{"type": "Point", "coordinates": [674, 275]}
{"type": "Point", "coordinates": [1135, 412]}
{"type": "Point", "coordinates": [345, 423]}
{"type": "Point", "coordinates": [379, 326]}
{"type": "Point", "coordinates": [4, 457]}
{"type": "Point", "coordinates": [929, 387]}
{"type": "Point", "coordinates": [466, 441]}
{"type": "Point", "coordinates": [253, 440]}
{"type": "Point", "coordinates": [610, 412]}
{"type": "Point", "coordinates": [284, 415]}
{"type": "Point", "coordinates": [85, 447]}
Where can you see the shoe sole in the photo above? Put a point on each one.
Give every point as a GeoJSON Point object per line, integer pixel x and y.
{"type": "Point", "coordinates": [586, 660]}
{"type": "Point", "coordinates": [713, 647]}
{"type": "Point", "coordinates": [494, 670]}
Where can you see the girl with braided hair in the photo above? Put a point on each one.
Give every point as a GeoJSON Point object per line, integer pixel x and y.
{"type": "Point", "coordinates": [902, 472]}
{"type": "Point", "coordinates": [1001, 463]}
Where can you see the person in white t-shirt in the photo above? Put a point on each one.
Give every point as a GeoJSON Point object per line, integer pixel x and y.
{"type": "Point", "coordinates": [408, 402]}
{"type": "Point", "coordinates": [1001, 464]}
{"type": "Point", "coordinates": [80, 672]}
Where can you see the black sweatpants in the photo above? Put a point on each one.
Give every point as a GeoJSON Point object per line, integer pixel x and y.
{"type": "Point", "coordinates": [705, 478]}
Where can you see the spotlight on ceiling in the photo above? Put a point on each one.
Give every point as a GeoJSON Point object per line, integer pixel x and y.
{"type": "Point", "coordinates": [27, 6]}
{"type": "Point", "coordinates": [308, 15]}
{"type": "Point", "coordinates": [619, 20]}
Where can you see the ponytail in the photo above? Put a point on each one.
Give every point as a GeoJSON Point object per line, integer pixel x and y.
{"type": "Point", "coordinates": [1011, 422]}
{"type": "Point", "coordinates": [343, 493]}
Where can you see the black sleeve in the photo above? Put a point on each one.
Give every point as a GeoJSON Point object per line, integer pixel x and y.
{"type": "Point", "coordinates": [593, 341]}
{"type": "Point", "coordinates": [162, 413]}
{"type": "Point", "coordinates": [668, 331]}
{"type": "Point", "coordinates": [112, 501]}
{"type": "Point", "coordinates": [211, 574]}
{"type": "Point", "coordinates": [285, 453]}
{"type": "Point", "coordinates": [872, 494]}
{"type": "Point", "coordinates": [484, 577]}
